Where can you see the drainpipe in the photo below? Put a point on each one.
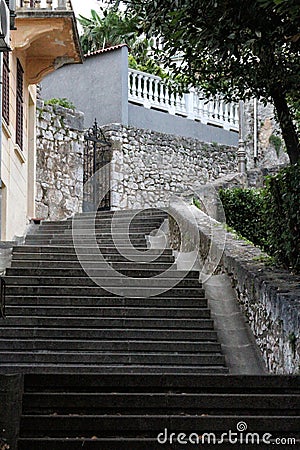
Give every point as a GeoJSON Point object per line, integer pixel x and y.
{"type": "Point", "coordinates": [241, 153]}
{"type": "Point", "coordinates": [255, 153]}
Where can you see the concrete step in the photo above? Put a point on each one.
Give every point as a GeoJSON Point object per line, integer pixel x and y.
{"type": "Point", "coordinates": [106, 322]}
{"type": "Point", "coordinates": [96, 311]}
{"type": "Point", "coordinates": [112, 358]}
{"type": "Point", "coordinates": [110, 424]}
{"type": "Point", "coordinates": [109, 257]}
{"type": "Point", "coordinates": [57, 249]}
{"type": "Point", "coordinates": [53, 344]}
{"type": "Point", "coordinates": [65, 301]}
{"type": "Point", "coordinates": [97, 272]}
{"type": "Point", "coordinates": [119, 443]}
{"type": "Point", "coordinates": [138, 220]}
{"type": "Point", "coordinates": [50, 368]}
{"type": "Point", "coordinates": [107, 281]}
{"type": "Point", "coordinates": [84, 243]}
{"type": "Point", "coordinates": [108, 238]}
{"type": "Point", "coordinates": [118, 233]}
{"type": "Point", "coordinates": [147, 402]}
{"type": "Point", "coordinates": [90, 291]}
{"type": "Point", "coordinates": [142, 333]}
{"type": "Point", "coordinates": [76, 265]}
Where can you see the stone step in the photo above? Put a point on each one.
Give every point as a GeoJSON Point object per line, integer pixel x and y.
{"type": "Point", "coordinates": [109, 257]}
{"type": "Point", "coordinates": [119, 443]}
{"type": "Point", "coordinates": [146, 212]}
{"type": "Point", "coordinates": [102, 224]}
{"type": "Point", "coordinates": [86, 239]}
{"type": "Point", "coordinates": [26, 368]}
{"type": "Point", "coordinates": [141, 246]}
{"type": "Point", "coordinates": [86, 322]}
{"type": "Point", "coordinates": [91, 252]}
{"type": "Point", "coordinates": [192, 383]}
{"type": "Point", "coordinates": [114, 280]}
{"type": "Point", "coordinates": [142, 333]}
{"type": "Point", "coordinates": [118, 232]}
{"type": "Point", "coordinates": [87, 426]}
{"type": "Point", "coordinates": [147, 402]}
{"type": "Point", "coordinates": [152, 302]}
{"type": "Point", "coordinates": [112, 358]}
{"type": "Point", "coordinates": [98, 272]}
{"type": "Point", "coordinates": [119, 345]}
{"type": "Point", "coordinates": [96, 311]}
{"type": "Point", "coordinates": [124, 220]}
{"type": "Point", "coordinates": [79, 291]}
{"type": "Point", "coordinates": [76, 265]}
{"type": "Point", "coordinates": [70, 249]}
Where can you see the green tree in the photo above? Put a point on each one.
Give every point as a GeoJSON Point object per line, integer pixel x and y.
{"type": "Point", "coordinates": [111, 27]}
{"type": "Point", "coordinates": [242, 49]}
{"type": "Point", "coordinates": [105, 29]}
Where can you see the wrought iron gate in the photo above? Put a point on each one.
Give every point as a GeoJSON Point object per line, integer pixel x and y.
{"type": "Point", "coordinates": [96, 172]}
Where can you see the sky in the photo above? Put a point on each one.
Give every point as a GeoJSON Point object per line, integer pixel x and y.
{"type": "Point", "coordinates": [84, 7]}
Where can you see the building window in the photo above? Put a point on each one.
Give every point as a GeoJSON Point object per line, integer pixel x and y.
{"type": "Point", "coordinates": [19, 106]}
{"type": "Point", "coordinates": [5, 87]}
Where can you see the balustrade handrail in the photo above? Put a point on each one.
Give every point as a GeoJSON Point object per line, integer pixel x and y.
{"type": "Point", "coordinates": [146, 74]}
{"type": "Point", "coordinates": [52, 5]}
{"type": "Point", "coordinates": [151, 91]}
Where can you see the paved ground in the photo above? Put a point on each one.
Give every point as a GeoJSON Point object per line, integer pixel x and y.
{"type": "Point", "coordinates": [238, 343]}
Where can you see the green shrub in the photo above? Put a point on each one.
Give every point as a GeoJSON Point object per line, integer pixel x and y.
{"type": "Point", "coordinates": [244, 212]}
{"type": "Point", "coordinates": [282, 216]}
{"type": "Point", "coordinates": [64, 102]}
{"type": "Point", "coordinates": [269, 217]}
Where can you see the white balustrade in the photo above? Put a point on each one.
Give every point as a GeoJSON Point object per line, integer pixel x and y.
{"type": "Point", "coordinates": [51, 5]}
{"type": "Point", "coordinates": [151, 91]}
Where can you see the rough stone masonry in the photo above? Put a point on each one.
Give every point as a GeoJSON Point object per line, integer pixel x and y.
{"type": "Point", "coordinates": [148, 167]}
{"type": "Point", "coordinates": [60, 143]}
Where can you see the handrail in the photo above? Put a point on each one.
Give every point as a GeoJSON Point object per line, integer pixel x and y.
{"type": "Point", "coordinates": [2, 297]}
{"type": "Point", "coordinates": [52, 5]}
{"type": "Point", "coordinates": [151, 91]}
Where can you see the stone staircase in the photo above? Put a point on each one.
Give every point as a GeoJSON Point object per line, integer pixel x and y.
{"type": "Point", "coordinates": [59, 320]}
{"type": "Point", "coordinates": [111, 371]}
{"type": "Point", "coordinates": [117, 412]}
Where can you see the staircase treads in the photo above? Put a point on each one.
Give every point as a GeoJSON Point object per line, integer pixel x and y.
{"type": "Point", "coordinates": [97, 311]}
{"type": "Point", "coordinates": [110, 345]}
{"type": "Point", "coordinates": [85, 301]}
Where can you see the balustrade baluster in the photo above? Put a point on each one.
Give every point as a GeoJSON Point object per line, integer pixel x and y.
{"type": "Point", "coordinates": [49, 4]}
{"type": "Point", "coordinates": [61, 4]}
{"type": "Point", "coordinates": [139, 87]}
{"type": "Point", "coordinates": [134, 86]}
{"type": "Point", "coordinates": [221, 110]}
{"type": "Point", "coordinates": [151, 90]}
{"type": "Point", "coordinates": [236, 114]}
{"type": "Point", "coordinates": [130, 77]}
{"type": "Point", "coordinates": [172, 103]}
{"type": "Point", "coordinates": [37, 4]}
{"type": "Point", "coordinates": [26, 4]}
{"type": "Point", "coordinates": [145, 91]}
{"type": "Point", "coordinates": [156, 100]}
{"type": "Point", "coordinates": [226, 112]}
{"type": "Point", "coordinates": [231, 113]}
{"type": "Point", "coordinates": [210, 109]}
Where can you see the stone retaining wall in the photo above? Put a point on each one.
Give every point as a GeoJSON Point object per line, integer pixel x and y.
{"type": "Point", "coordinates": [148, 167]}
{"type": "Point", "coordinates": [269, 298]}
{"type": "Point", "coordinates": [59, 172]}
